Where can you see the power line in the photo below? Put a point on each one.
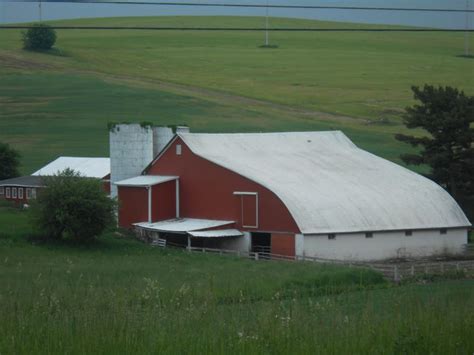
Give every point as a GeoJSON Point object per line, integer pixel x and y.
{"type": "Point", "coordinates": [274, 6]}
{"type": "Point", "coordinates": [278, 29]}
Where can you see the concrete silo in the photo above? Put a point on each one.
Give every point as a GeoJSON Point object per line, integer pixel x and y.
{"type": "Point", "coordinates": [161, 137]}
{"type": "Point", "coordinates": [131, 150]}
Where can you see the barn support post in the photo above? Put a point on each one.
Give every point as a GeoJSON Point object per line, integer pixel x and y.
{"type": "Point", "coordinates": [177, 198]}
{"type": "Point", "coordinates": [396, 274]}
{"type": "Point", "coordinates": [149, 203]}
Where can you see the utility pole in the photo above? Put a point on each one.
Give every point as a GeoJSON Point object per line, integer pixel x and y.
{"type": "Point", "coordinates": [266, 25]}
{"type": "Point", "coordinates": [466, 33]}
{"type": "Point", "coordinates": [40, 11]}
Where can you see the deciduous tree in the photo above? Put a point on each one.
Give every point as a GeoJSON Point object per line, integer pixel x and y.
{"type": "Point", "coordinates": [9, 162]}
{"type": "Point", "coordinates": [39, 37]}
{"type": "Point", "coordinates": [73, 207]}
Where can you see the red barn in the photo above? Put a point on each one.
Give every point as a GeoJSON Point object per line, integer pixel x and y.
{"type": "Point", "coordinates": [20, 190]}
{"type": "Point", "coordinates": [300, 193]}
{"type": "Point", "coordinates": [25, 188]}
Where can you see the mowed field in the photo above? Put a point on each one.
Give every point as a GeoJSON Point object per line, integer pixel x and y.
{"type": "Point", "coordinates": [119, 296]}
{"type": "Point", "coordinates": [59, 103]}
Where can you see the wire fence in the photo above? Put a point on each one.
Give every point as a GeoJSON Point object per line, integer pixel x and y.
{"type": "Point", "coordinates": [256, 5]}
{"type": "Point", "coordinates": [393, 271]}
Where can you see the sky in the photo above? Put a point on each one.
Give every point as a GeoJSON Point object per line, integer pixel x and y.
{"type": "Point", "coordinates": [25, 11]}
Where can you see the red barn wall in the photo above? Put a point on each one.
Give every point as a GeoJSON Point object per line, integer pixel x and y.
{"type": "Point", "coordinates": [164, 201]}
{"type": "Point", "coordinates": [207, 191]}
{"type": "Point", "coordinates": [18, 200]}
{"type": "Point", "coordinates": [283, 244]}
{"type": "Point", "coordinates": [133, 205]}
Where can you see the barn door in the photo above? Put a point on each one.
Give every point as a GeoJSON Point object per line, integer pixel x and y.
{"type": "Point", "coordinates": [248, 209]}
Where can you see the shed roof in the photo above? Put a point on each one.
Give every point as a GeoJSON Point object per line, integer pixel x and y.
{"type": "Point", "coordinates": [328, 184]}
{"type": "Point", "coordinates": [216, 233]}
{"type": "Point", "coordinates": [87, 167]}
{"type": "Point", "coordinates": [146, 180]}
{"type": "Point", "coordinates": [183, 225]}
{"type": "Point", "coordinates": [23, 181]}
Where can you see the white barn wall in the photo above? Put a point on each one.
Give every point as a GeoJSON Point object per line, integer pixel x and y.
{"type": "Point", "coordinates": [299, 244]}
{"type": "Point", "coordinates": [241, 243]}
{"type": "Point", "coordinates": [385, 245]}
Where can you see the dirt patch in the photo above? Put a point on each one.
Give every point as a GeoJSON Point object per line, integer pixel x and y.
{"type": "Point", "coordinates": [15, 62]}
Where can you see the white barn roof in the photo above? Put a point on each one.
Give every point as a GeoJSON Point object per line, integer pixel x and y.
{"type": "Point", "coordinates": [329, 185]}
{"type": "Point", "coordinates": [87, 167]}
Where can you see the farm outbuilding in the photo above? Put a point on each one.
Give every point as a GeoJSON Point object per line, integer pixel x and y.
{"type": "Point", "coordinates": [297, 193]}
{"type": "Point", "coordinates": [25, 188]}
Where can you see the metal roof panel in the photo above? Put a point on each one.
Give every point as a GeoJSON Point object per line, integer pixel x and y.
{"type": "Point", "coordinates": [87, 167]}
{"type": "Point", "coordinates": [183, 225]}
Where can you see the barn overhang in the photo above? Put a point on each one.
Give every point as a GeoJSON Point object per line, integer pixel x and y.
{"type": "Point", "coordinates": [218, 233]}
{"type": "Point", "coordinates": [183, 225]}
{"type": "Point", "coordinates": [146, 180]}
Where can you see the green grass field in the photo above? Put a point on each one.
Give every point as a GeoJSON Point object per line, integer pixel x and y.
{"type": "Point", "coordinates": [59, 103]}
{"type": "Point", "coordinates": [120, 296]}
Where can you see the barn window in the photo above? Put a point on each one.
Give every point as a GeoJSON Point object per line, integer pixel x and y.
{"type": "Point", "coordinates": [178, 149]}
{"type": "Point", "coordinates": [33, 193]}
{"type": "Point", "coordinates": [20, 192]}
{"type": "Point", "coordinates": [2, 190]}
{"type": "Point", "coordinates": [408, 233]}
{"type": "Point", "coordinates": [7, 192]}
{"type": "Point", "coordinates": [443, 231]}
{"type": "Point", "coordinates": [13, 192]}
{"type": "Point", "coordinates": [28, 193]}
{"type": "Point", "coordinates": [331, 236]}
{"type": "Point", "coordinates": [369, 235]}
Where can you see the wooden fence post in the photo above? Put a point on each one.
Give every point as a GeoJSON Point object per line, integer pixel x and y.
{"type": "Point", "coordinates": [412, 270]}
{"type": "Point", "coordinates": [256, 256]}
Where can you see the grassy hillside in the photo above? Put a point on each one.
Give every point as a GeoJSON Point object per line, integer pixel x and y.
{"type": "Point", "coordinates": [59, 103]}
{"type": "Point", "coordinates": [120, 296]}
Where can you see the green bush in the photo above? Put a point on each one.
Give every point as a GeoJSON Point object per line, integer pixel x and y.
{"type": "Point", "coordinates": [72, 207]}
{"type": "Point", "coordinates": [39, 37]}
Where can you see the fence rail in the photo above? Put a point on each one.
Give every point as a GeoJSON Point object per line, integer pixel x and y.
{"type": "Point", "coordinates": [159, 243]}
{"type": "Point", "coordinates": [392, 271]}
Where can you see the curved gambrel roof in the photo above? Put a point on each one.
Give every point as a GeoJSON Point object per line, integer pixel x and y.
{"type": "Point", "coordinates": [328, 184]}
